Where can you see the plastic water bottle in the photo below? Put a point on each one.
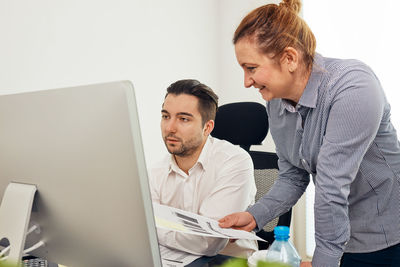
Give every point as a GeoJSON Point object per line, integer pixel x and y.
{"type": "Point", "coordinates": [282, 250]}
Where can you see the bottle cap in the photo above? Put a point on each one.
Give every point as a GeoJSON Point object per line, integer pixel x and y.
{"type": "Point", "coordinates": [281, 232]}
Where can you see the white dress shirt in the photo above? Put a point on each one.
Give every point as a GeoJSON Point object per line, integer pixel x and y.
{"type": "Point", "coordinates": [221, 182]}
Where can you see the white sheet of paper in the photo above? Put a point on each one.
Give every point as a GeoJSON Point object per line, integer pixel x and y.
{"type": "Point", "coordinates": [187, 222]}
{"type": "Point", "coordinates": [175, 258]}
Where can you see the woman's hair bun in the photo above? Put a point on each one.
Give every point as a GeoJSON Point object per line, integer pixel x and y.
{"type": "Point", "coordinates": [294, 5]}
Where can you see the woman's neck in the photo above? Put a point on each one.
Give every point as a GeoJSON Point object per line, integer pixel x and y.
{"type": "Point", "coordinates": [301, 80]}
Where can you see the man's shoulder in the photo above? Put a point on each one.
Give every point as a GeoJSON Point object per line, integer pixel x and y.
{"type": "Point", "coordinates": [160, 167]}
{"type": "Point", "coordinates": [229, 162]}
{"type": "Point", "coordinates": [227, 150]}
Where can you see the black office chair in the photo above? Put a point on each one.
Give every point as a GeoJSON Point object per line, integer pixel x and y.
{"type": "Point", "coordinates": [246, 124]}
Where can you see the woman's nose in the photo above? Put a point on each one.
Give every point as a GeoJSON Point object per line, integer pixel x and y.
{"type": "Point", "coordinates": [248, 81]}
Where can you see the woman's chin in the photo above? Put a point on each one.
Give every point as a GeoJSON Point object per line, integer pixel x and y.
{"type": "Point", "coordinates": [267, 97]}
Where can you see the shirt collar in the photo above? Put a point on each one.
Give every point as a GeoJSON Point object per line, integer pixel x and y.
{"type": "Point", "coordinates": [204, 158]}
{"type": "Point", "coordinates": [310, 95]}
{"type": "Point", "coordinates": [201, 161]}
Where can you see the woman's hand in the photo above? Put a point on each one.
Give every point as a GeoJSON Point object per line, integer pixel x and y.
{"type": "Point", "coordinates": [305, 264]}
{"type": "Point", "coordinates": [239, 220]}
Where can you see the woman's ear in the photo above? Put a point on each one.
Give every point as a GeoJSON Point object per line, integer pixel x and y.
{"type": "Point", "coordinates": [290, 59]}
{"type": "Point", "coordinates": [208, 127]}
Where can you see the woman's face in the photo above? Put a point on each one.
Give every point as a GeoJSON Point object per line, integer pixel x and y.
{"type": "Point", "coordinates": [270, 76]}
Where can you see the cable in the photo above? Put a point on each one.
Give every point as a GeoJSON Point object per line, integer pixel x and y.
{"type": "Point", "coordinates": [33, 228]}
{"type": "Point", "coordinates": [26, 251]}
{"type": "Point", "coordinates": [30, 230]}
{"type": "Point", "coordinates": [36, 246]}
{"type": "Point", "coordinates": [4, 251]}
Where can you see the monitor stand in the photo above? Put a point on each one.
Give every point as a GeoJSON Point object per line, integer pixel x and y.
{"type": "Point", "coordinates": [15, 213]}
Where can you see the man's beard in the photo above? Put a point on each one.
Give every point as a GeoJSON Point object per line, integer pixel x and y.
{"type": "Point", "coordinates": [182, 149]}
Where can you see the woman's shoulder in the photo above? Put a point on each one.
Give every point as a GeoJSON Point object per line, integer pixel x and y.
{"type": "Point", "coordinates": [336, 67]}
{"type": "Point", "coordinates": [344, 74]}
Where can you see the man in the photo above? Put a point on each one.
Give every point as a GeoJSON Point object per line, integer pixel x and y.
{"type": "Point", "coordinates": [203, 175]}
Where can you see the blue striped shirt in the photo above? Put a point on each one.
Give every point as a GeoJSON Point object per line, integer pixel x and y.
{"type": "Point", "coordinates": [340, 133]}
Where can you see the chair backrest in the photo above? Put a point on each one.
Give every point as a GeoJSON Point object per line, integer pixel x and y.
{"type": "Point", "coordinates": [265, 174]}
{"type": "Point", "coordinates": [246, 124]}
{"type": "Point", "coordinates": [243, 123]}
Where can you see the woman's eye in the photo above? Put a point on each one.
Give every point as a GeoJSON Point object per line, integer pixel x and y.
{"type": "Point", "coordinates": [251, 69]}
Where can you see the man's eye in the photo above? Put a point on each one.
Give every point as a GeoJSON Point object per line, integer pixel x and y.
{"type": "Point", "coordinates": [164, 117]}
{"type": "Point", "coordinates": [184, 119]}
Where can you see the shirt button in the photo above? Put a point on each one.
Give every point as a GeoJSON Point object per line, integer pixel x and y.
{"type": "Point", "coordinates": [304, 161]}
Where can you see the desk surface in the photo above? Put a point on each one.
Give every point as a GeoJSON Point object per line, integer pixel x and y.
{"type": "Point", "coordinates": [200, 262]}
{"type": "Point", "coordinates": [203, 261]}
{"type": "Point", "coordinates": [209, 261]}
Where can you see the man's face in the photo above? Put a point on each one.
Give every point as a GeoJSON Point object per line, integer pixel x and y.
{"type": "Point", "coordinates": [181, 125]}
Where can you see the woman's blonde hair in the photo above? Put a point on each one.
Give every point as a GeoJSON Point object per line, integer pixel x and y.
{"type": "Point", "coordinates": [275, 27]}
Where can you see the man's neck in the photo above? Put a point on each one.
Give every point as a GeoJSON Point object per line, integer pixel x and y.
{"type": "Point", "coordinates": [187, 162]}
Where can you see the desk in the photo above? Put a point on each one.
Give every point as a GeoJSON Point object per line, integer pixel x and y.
{"type": "Point", "coordinates": [209, 261]}
{"type": "Point", "coordinates": [203, 261]}
{"type": "Point", "coordinates": [200, 262]}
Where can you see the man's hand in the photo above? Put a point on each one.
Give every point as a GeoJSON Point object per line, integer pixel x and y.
{"type": "Point", "coordinates": [239, 220]}
{"type": "Point", "coordinates": [305, 264]}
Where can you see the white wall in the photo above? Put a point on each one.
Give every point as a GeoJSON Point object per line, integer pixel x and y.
{"type": "Point", "coordinates": [231, 12]}
{"type": "Point", "coordinates": [56, 43]}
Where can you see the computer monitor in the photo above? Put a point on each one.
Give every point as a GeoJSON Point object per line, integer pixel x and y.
{"type": "Point", "coordinates": [82, 148]}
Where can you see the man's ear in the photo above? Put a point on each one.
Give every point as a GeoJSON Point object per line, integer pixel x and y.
{"type": "Point", "coordinates": [290, 59]}
{"type": "Point", "coordinates": [208, 127]}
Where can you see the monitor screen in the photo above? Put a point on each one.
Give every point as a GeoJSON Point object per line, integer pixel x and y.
{"type": "Point", "coordinates": [82, 148]}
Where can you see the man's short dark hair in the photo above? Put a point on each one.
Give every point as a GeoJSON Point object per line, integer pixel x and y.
{"type": "Point", "coordinates": [208, 100]}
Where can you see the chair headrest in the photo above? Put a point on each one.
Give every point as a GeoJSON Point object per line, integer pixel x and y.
{"type": "Point", "coordinates": [242, 123]}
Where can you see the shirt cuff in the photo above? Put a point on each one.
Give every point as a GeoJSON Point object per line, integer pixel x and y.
{"type": "Point", "coordinates": [321, 259]}
{"type": "Point", "coordinates": [255, 212]}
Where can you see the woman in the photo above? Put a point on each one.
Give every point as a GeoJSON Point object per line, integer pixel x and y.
{"type": "Point", "coordinates": [328, 118]}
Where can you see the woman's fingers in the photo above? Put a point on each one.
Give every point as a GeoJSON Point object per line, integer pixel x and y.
{"type": "Point", "coordinates": [239, 220]}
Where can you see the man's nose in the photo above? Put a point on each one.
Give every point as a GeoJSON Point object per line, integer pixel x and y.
{"type": "Point", "coordinates": [171, 126]}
